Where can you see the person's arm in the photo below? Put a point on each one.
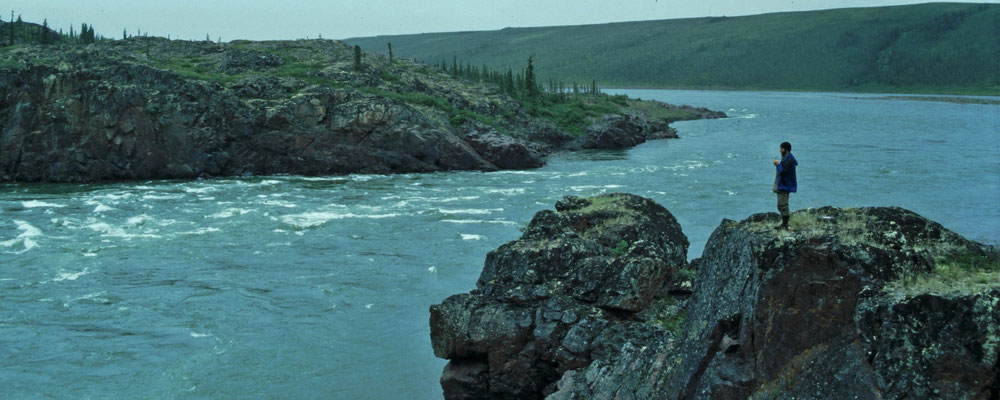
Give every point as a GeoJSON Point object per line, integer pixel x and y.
{"type": "Point", "coordinates": [785, 165]}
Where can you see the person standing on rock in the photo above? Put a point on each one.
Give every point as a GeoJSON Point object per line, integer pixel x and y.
{"type": "Point", "coordinates": [784, 181]}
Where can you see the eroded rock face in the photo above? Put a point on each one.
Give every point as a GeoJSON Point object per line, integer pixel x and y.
{"type": "Point", "coordinates": [507, 152]}
{"type": "Point", "coordinates": [109, 124]}
{"type": "Point", "coordinates": [572, 289]}
{"type": "Point", "coordinates": [149, 108]}
{"type": "Point", "coordinates": [614, 132]}
{"type": "Point", "coordinates": [865, 303]}
{"type": "Point", "coordinates": [815, 312]}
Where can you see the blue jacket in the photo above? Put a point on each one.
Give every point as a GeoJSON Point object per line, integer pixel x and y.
{"type": "Point", "coordinates": [786, 173]}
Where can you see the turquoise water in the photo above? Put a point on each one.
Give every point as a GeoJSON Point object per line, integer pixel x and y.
{"type": "Point", "coordinates": [295, 287]}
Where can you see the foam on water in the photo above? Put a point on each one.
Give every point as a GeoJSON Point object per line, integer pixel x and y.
{"type": "Point", "coordinates": [229, 213]}
{"type": "Point", "coordinates": [27, 229]}
{"type": "Point", "coordinates": [200, 190]}
{"type": "Point", "coordinates": [451, 199]}
{"type": "Point", "coordinates": [107, 230]}
{"type": "Point", "coordinates": [278, 203]}
{"type": "Point", "coordinates": [478, 221]}
{"type": "Point", "coordinates": [314, 219]}
{"type": "Point", "coordinates": [473, 211]}
{"type": "Point", "coordinates": [364, 178]}
{"type": "Point", "coordinates": [162, 197]}
{"type": "Point", "coordinates": [202, 231]}
{"type": "Point", "coordinates": [470, 236]}
{"type": "Point", "coordinates": [28, 232]}
{"type": "Point", "coordinates": [110, 197]}
{"type": "Point", "coordinates": [101, 208]}
{"type": "Point", "coordinates": [69, 275]}
{"type": "Point", "coordinates": [37, 203]}
{"type": "Point", "coordinates": [139, 220]}
{"type": "Point", "coordinates": [507, 192]}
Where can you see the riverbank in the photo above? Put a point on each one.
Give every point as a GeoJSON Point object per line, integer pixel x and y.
{"type": "Point", "coordinates": [153, 108]}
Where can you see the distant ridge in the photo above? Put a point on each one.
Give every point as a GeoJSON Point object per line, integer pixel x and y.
{"type": "Point", "coordinates": [926, 48]}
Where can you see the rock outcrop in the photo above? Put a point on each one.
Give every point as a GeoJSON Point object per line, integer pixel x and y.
{"type": "Point", "coordinates": [578, 282]}
{"type": "Point", "coordinates": [863, 303]}
{"type": "Point", "coordinates": [149, 108]}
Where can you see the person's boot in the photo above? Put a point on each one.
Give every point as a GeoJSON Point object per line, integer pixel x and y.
{"type": "Point", "coordinates": [784, 223]}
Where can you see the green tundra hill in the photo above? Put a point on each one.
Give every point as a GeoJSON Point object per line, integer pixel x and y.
{"type": "Point", "coordinates": [951, 48]}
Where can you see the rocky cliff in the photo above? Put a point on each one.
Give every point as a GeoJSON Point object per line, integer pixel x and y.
{"type": "Point", "coordinates": [147, 108]}
{"type": "Point", "coordinates": [595, 300]}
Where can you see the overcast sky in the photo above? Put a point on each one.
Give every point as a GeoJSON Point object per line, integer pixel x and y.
{"type": "Point", "coordinates": [339, 19]}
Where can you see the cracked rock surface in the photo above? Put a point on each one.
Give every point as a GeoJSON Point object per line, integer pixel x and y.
{"type": "Point", "coordinates": [595, 301]}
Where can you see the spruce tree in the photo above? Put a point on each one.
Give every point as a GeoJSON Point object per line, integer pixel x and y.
{"type": "Point", "coordinates": [529, 79]}
{"type": "Point", "coordinates": [390, 52]}
{"type": "Point", "coordinates": [124, 34]}
{"type": "Point", "coordinates": [20, 27]}
{"type": "Point", "coordinates": [510, 80]}
{"type": "Point", "coordinates": [454, 65]}
{"type": "Point", "coordinates": [12, 27]}
{"type": "Point", "coordinates": [357, 58]}
{"type": "Point", "coordinates": [45, 31]}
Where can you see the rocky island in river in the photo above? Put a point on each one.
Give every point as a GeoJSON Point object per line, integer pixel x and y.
{"type": "Point", "coordinates": [597, 301]}
{"type": "Point", "coordinates": [153, 108]}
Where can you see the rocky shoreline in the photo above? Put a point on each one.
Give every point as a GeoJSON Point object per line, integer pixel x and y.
{"type": "Point", "coordinates": [152, 108]}
{"type": "Point", "coordinates": [596, 300]}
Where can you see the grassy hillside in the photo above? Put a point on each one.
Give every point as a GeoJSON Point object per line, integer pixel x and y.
{"type": "Point", "coordinates": [928, 48]}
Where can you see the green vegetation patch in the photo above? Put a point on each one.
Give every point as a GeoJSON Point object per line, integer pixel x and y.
{"type": "Point", "coordinates": [658, 111]}
{"type": "Point", "coordinates": [689, 273]}
{"type": "Point", "coordinates": [850, 225]}
{"type": "Point", "coordinates": [574, 113]}
{"type": "Point", "coordinates": [196, 67]}
{"type": "Point", "coordinates": [607, 202]}
{"type": "Point", "coordinates": [620, 248]}
{"type": "Point", "coordinates": [456, 116]}
{"type": "Point", "coordinates": [960, 272]}
{"type": "Point", "coordinates": [670, 314]}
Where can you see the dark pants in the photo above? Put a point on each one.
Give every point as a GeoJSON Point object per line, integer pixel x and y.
{"type": "Point", "coordinates": [783, 203]}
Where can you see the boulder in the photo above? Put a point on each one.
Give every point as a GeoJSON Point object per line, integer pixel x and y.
{"type": "Point", "coordinates": [818, 311]}
{"type": "Point", "coordinates": [614, 131]}
{"type": "Point", "coordinates": [578, 285]}
{"type": "Point", "coordinates": [507, 152]}
{"type": "Point", "coordinates": [863, 303]}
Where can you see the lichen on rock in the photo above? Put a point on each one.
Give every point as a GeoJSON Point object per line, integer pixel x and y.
{"type": "Point", "coordinates": [870, 303]}
{"type": "Point", "coordinates": [560, 297]}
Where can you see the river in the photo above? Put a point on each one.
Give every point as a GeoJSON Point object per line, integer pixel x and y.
{"type": "Point", "coordinates": [318, 287]}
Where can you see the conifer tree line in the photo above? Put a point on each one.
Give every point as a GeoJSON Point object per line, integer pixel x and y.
{"type": "Point", "coordinates": [523, 83]}
{"type": "Point", "coordinates": [16, 31]}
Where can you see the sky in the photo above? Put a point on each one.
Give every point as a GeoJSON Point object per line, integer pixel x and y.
{"type": "Point", "coordinates": [340, 19]}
